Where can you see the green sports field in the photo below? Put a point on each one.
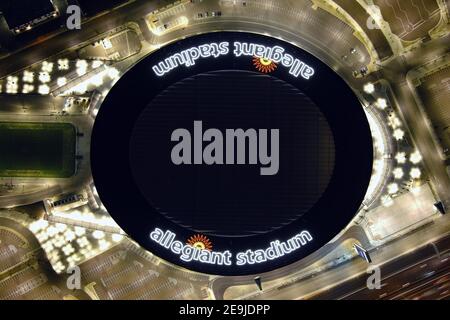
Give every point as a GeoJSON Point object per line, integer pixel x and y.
{"type": "Point", "coordinates": [40, 150]}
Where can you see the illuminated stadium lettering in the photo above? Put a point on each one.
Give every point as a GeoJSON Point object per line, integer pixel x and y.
{"type": "Point", "coordinates": [187, 253]}
{"type": "Point", "coordinates": [189, 56]}
{"type": "Point", "coordinates": [276, 250]}
{"type": "Point", "coordinates": [276, 54]}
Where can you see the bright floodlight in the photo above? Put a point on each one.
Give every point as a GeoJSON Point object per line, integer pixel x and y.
{"type": "Point", "coordinates": [12, 84]}
{"type": "Point", "coordinates": [369, 88]}
{"type": "Point", "coordinates": [97, 80]}
{"type": "Point", "coordinates": [44, 77]}
{"type": "Point", "coordinates": [394, 121]}
{"type": "Point", "coordinates": [61, 81]}
{"type": "Point", "coordinates": [63, 64]}
{"type": "Point", "coordinates": [51, 231]}
{"type": "Point", "coordinates": [392, 188]}
{"type": "Point", "coordinates": [44, 89]}
{"type": "Point", "coordinates": [82, 66]}
{"type": "Point", "coordinates": [27, 88]}
{"type": "Point", "coordinates": [415, 157]}
{"type": "Point", "coordinates": [399, 134]}
{"type": "Point", "coordinates": [400, 157]}
{"type": "Point", "coordinates": [415, 173]}
{"type": "Point", "coordinates": [38, 225]}
{"type": "Point", "coordinates": [47, 66]}
{"type": "Point", "coordinates": [81, 88]}
{"type": "Point", "coordinates": [61, 227]}
{"type": "Point", "coordinates": [117, 237]}
{"type": "Point", "coordinates": [381, 103]}
{"type": "Point", "coordinates": [398, 173]}
{"type": "Point", "coordinates": [98, 234]}
{"type": "Point", "coordinates": [69, 235]}
{"type": "Point", "coordinates": [58, 241]}
{"type": "Point", "coordinates": [68, 249]}
{"type": "Point", "coordinates": [103, 244]}
{"type": "Point", "coordinates": [113, 73]}
{"type": "Point", "coordinates": [28, 76]}
{"type": "Point", "coordinates": [83, 242]}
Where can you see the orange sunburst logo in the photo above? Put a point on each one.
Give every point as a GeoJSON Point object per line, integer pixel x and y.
{"type": "Point", "coordinates": [200, 242]}
{"type": "Point", "coordinates": [264, 65]}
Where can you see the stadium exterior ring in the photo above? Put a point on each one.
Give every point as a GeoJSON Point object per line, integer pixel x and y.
{"type": "Point", "coordinates": [122, 185]}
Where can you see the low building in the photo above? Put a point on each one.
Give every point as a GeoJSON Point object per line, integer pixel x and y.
{"type": "Point", "coordinates": [23, 15]}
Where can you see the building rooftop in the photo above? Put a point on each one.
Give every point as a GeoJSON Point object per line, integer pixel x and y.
{"type": "Point", "coordinates": [20, 12]}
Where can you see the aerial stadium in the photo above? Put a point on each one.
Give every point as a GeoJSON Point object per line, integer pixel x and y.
{"type": "Point", "coordinates": [224, 149]}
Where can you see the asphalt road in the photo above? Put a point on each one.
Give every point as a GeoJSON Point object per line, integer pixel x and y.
{"type": "Point", "coordinates": [401, 278]}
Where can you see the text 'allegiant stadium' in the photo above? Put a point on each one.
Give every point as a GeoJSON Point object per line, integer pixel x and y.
{"type": "Point", "coordinates": [276, 249]}
{"type": "Point", "coordinates": [277, 54]}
